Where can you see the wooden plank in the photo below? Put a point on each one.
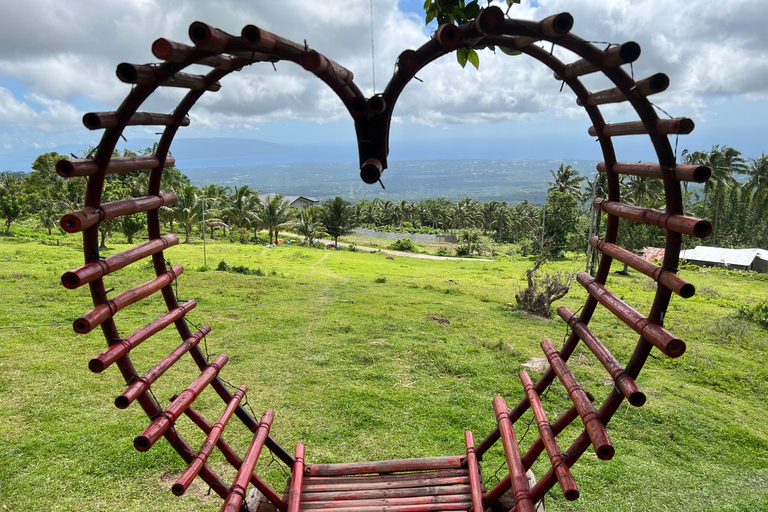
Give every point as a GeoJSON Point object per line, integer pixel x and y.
{"type": "Point", "coordinates": [385, 493]}
{"type": "Point", "coordinates": [392, 484]}
{"type": "Point", "coordinates": [386, 466]}
{"type": "Point", "coordinates": [442, 473]}
{"type": "Point", "coordinates": [383, 502]}
{"type": "Point", "coordinates": [431, 507]}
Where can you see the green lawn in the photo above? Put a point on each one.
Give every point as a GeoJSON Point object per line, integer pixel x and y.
{"type": "Point", "coordinates": [338, 343]}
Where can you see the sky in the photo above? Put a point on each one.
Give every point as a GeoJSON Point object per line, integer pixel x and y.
{"type": "Point", "coordinates": [58, 59]}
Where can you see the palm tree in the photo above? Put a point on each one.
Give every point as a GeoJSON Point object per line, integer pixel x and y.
{"type": "Point", "coordinates": [187, 209]}
{"type": "Point", "coordinates": [338, 218]}
{"type": "Point", "coordinates": [239, 210]}
{"type": "Point", "coordinates": [758, 182]}
{"type": "Point", "coordinates": [644, 191]}
{"type": "Point", "coordinates": [567, 179]}
{"type": "Point", "coordinates": [48, 217]}
{"type": "Point", "coordinates": [275, 214]}
{"type": "Point", "coordinates": [308, 224]}
{"type": "Point", "coordinates": [502, 219]}
{"type": "Point", "coordinates": [466, 214]}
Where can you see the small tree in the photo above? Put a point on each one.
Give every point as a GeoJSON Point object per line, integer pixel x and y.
{"type": "Point", "coordinates": [12, 207]}
{"type": "Point", "coordinates": [131, 225]}
{"type": "Point", "coordinates": [308, 225]}
{"type": "Point", "coordinates": [338, 217]}
{"type": "Point", "coordinates": [543, 289]}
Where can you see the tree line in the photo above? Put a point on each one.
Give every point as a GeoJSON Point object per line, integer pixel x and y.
{"type": "Point", "coordinates": [735, 199]}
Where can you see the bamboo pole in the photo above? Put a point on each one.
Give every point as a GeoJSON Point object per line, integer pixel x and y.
{"type": "Point", "coordinates": [164, 421]}
{"type": "Point", "coordinates": [564, 477]}
{"type": "Point", "coordinates": [416, 480]}
{"type": "Point", "coordinates": [612, 58]}
{"type": "Point", "coordinates": [391, 477]}
{"type": "Point", "coordinates": [647, 86]}
{"type": "Point", "coordinates": [81, 220]}
{"type": "Point", "coordinates": [68, 168]}
{"type": "Point", "coordinates": [697, 173]}
{"type": "Point", "coordinates": [406, 492]}
{"type": "Point", "coordinates": [98, 120]}
{"type": "Point", "coordinates": [185, 480]}
{"type": "Point", "coordinates": [514, 459]}
{"type": "Point", "coordinates": [678, 126]}
{"type": "Point", "coordinates": [657, 335]}
{"type": "Point", "coordinates": [595, 428]}
{"type": "Point", "coordinates": [462, 499]}
{"type": "Point", "coordinates": [624, 382]}
{"type": "Point", "coordinates": [139, 386]}
{"type": "Point", "coordinates": [240, 485]}
{"type": "Point", "coordinates": [678, 223]}
{"type": "Point", "coordinates": [144, 74]}
{"type": "Point", "coordinates": [385, 466]}
{"type": "Point", "coordinates": [474, 472]}
{"type": "Point", "coordinates": [92, 271]}
{"type": "Point", "coordinates": [294, 495]}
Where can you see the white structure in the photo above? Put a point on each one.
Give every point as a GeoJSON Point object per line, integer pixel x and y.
{"type": "Point", "coordinates": [739, 259]}
{"type": "Point", "coordinates": [298, 202]}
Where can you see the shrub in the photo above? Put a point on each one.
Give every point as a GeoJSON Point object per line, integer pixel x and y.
{"type": "Point", "coordinates": [543, 289]}
{"type": "Point", "coordinates": [380, 279]}
{"type": "Point", "coordinates": [403, 244]}
{"type": "Point", "coordinates": [462, 250]}
{"type": "Point", "coordinates": [205, 268]}
{"type": "Point", "coordinates": [757, 314]}
{"type": "Point", "coordinates": [352, 247]}
{"type": "Point", "coordinates": [223, 266]}
{"type": "Point", "coordinates": [442, 251]}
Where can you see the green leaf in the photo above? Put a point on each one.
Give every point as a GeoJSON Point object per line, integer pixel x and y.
{"type": "Point", "coordinates": [472, 10]}
{"type": "Point", "coordinates": [427, 4]}
{"type": "Point", "coordinates": [474, 58]}
{"type": "Point", "coordinates": [461, 56]}
{"type": "Point", "coordinates": [509, 51]}
{"type": "Point", "coordinates": [510, 2]}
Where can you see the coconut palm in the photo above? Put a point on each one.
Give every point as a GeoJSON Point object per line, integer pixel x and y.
{"type": "Point", "coordinates": [758, 184]}
{"type": "Point", "coordinates": [308, 225]}
{"type": "Point", "coordinates": [466, 214]}
{"type": "Point", "coordinates": [239, 210]}
{"type": "Point", "coordinates": [187, 209]}
{"type": "Point", "coordinates": [275, 214]}
{"type": "Point", "coordinates": [567, 179]}
{"type": "Point", "coordinates": [337, 217]}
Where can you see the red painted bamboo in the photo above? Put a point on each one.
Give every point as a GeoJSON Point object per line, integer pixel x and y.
{"type": "Point", "coordinates": [432, 507]}
{"type": "Point", "coordinates": [612, 57]}
{"type": "Point", "coordinates": [139, 386]}
{"type": "Point", "coordinates": [642, 88]}
{"type": "Point", "coordinates": [448, 35]}
{"type": "Point", "coordinates": [102, 312]}
{"type": "Point", "coordinates": [442, 473]}
{"type": "Point", "coordinates": [564, 477]}
{"type": "Point", "coordinates": [294, 495]}
{"type": "Point", "coordinates": [462, 499]}
{"type": "Point", "coordinates": [97, 120]}
{"type": "Point", "coordinates": [514, 459]}
{"type": "Point", "coordinates": [659, 274]}
{"type": "Point", "coordinates": [474, 473]}
{"type": "Point", "coordinates": [677, 223]}
{"type": "Point", "coordinates": [595, 428]}
{"type": "Point", "coordinates": [697, 173]}
{"type": "Point", "coordinates": [657, 335]}
{"type": "Point", "coordinates": [551, 27]}
{"type": "Point", "coordinates": [164, 421]}
{"type": "Point", "coordinates": [101, 268]}
{"type": "Point", "coordinates": [387, 493]}
{"type": "Point", "coordinates": [319, 64]}
{"type": "Point", "coordinates": [385, 466]}
{"type": "Point", "coordinates": [113, 353]}
{"type": "Point", "coordinates": [679, 126]}
{"type": "Point", "coordinates": [142, 74]}
{"type": "Point", "coordinates": [416, 480]}
{"type": "Point", "coordinates": [489, 21]}
{"type": "Point", "coordinates": [240, 485]}
{"type": "Point", "coordinates": [80, 220]}
{"type": "Point", "coordinates": [185, 480]}
{"type": "Point", "coordinates": [530, 456]}
{"type": "Point", "coordinates": [88, 166]}
{"type": "Point", "coordinates": [624, 382]}
{"type": "Point", "coordinates": [234, 460]}
{"type": "Point", "coordinates": [268, 42]}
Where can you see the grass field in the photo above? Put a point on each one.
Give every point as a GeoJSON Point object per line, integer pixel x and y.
{"type": "Point", "coordinates": [339, 344]}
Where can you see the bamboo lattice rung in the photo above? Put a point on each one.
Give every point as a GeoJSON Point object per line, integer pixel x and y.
{"type": "Point", "coordinates": [98, 120]}
{"type": "Point", "coordinates": [167, 418]}
{"type": "Point", "coordinates": [139, 386]}
{"type": "Point", "coordinates": [642, 88]}
{"type": "Point", "coordinates": [678, 223]}
{"type": "Point", "coordinates": [79, 220]}
{"type": "Point", "coordinates": [141, 74]}
{"type": "Point", "coordinates": [522, 493]}
{"type": "Point", "coordinates": [659, 274]}
{"type": "Point", "coordinates": [612, 58]}
{"type": "Point", "coordinates": [594, 427]}
{"type": "Point", "coordinates": [678, 126]}
{"type": "Point", "coordinates": [697, 173]}
{"type": "Point", "coordinates": [89, 166]}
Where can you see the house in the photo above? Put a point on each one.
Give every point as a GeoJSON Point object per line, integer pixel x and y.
{"type": "Point", "coordinates": [739, 259]}
{"type": "Point", "coordinates": [298, 202]}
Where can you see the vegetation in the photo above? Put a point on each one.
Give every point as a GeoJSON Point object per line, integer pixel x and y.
{"type": "Point", "coordinates": [338, 343]}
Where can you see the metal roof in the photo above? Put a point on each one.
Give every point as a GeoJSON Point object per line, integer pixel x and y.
{"type": "Point", "coordinates": [722, 256]}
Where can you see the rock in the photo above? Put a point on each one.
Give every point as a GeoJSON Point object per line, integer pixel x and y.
{"type": "Point", "coordinates": [507, 501]}
{"type": "Point", "coordinates": [257, 502]}
{"type": "Point", "coordinates": [438, 319]}
{"type": "Point", "coordinates": [537, 364]}
{"type": "Point", "coordinates": [390, 257]}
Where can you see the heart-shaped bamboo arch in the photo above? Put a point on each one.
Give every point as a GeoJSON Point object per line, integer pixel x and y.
{"type": "Point", "coordinates": [330, 486]}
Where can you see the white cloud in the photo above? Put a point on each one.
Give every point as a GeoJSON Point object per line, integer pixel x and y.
{"type": "Point", "coordinates": [64, 54]}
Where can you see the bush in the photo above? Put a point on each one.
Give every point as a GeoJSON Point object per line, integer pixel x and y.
{"type": "Point", "coordinates": [757, 314]}
{"type": "Point", "coordinates": [380, 280]}
{"type": "Point", "coordinates": [543, 289]}
{"type": "Point", "coordinates": [205, 268]}
{"type": "Point", "coordinates": [403, 244]}
{"type": "Point", "coordinates": [462, 250]}
{"type": "Point", "coordinates": [442, 251]}
{"type": "Point", "coordinates": [352, 247]}
{"type": "Point", "coordinates": [223, 266]}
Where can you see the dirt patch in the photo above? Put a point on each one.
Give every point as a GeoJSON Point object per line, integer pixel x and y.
{"type": "Point", "coordinates": [536, 364]}
{"type": "Point", "coordinates": [438, 319]}
{"type": "Point", "coordinates": [198, 489]}
{"type": "Point", "coordinates": [380, 341]}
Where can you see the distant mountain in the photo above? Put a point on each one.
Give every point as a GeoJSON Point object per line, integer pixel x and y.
{"type": "Point", "coordinates": [412, 180]}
